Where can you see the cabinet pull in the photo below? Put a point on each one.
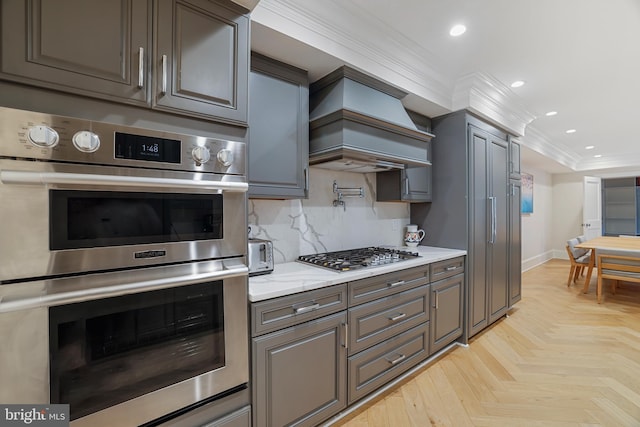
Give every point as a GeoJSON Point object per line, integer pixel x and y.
{"type": "Point", "coordinates": [394, 284]}
{"type": "Point", "coordinates": [436, 302]}
{"type": "Point", "coordinates": [141, 68]}
{"type": "Point", "coordinates": [346, 335]}
{"type": "Point", "coordinates": [306, 178]}
{"type": "Point", "coordinates": [406, 186]}
{"type": "Point", "coordinates": [397, 360]}
{"type": "Point", "coordinates": [164, 74]}
{"type": "Point", "coordinates": [494, 213]}
{"type": "Point", "coordinates": [398, 317]}
{"type": "Point", "coordinates": [451, 268]}
{"type": "Point", "coordinates": [306, 309]}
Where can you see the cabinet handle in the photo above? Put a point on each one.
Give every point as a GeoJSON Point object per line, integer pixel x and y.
{"type": "Point", "coordinates": [346, 335]}
{"type": "Point", "coordinates": [141, 68]}
{"type": "Point", "coordinates": [398, 317]}
{"type": "Point", "coordinates": [406, 186]}
{"type": "Point", "coordinates": [394, 284]}
{"type": "Point", "coordinates": [494, 213]}
{"type": "Point", "coordinates": [436, 302]}
{"type": "Point", "coordinates": [397, 360]}
{"type": "Point", "coordinates": [306, 178]}
{"type": "Point", "coordinates": [306, 309]}
{"type": "Point", "coordinates": [451, 268]}
{"type": "Point", "coordinates": [164, 74]}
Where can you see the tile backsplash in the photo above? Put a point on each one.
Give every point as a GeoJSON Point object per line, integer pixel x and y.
{"type": "Point", "coordinates": [313, 225]}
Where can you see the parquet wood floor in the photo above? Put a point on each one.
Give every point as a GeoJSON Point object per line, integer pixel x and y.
{"type": "Point", "coordinates": [559, 359]}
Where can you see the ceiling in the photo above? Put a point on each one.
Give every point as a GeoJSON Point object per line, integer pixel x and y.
{"type": "Point", "coordinates": [580, 58]}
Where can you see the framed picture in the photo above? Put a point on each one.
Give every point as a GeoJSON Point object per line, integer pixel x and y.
{"type": "Point", "coordinates": [527, 193]}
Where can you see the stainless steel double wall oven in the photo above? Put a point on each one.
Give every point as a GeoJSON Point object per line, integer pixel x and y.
{"type": "Point", "coordinates": [123, 273]}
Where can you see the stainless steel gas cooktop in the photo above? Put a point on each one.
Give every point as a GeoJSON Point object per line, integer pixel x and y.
{"type": "Point", "coordinates": [352, 259]}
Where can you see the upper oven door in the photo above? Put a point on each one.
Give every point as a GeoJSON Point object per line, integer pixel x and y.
{"type": "Point", "coordinates": [63, 218]}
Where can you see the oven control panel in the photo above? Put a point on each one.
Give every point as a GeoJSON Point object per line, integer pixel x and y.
{"type": "Point", "coordinates": [39, 136]}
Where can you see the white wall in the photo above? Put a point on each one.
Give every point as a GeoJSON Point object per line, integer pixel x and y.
{"type": "Point", "coordinates": [299, 227]}
{"type": "Point", "coordinates": [568, 197]}
{"type": "Point", "coordinates": [537, 234]}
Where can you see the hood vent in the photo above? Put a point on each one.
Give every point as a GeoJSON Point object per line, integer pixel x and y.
{"type": "Point", "coordinates": [358, 124]}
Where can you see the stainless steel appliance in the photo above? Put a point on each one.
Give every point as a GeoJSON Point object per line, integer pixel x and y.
{"type": "Point", "coordinates": [260, 256]}
{"type": "Point", "coordinates": [351, 259]}
{"type": "Point", "coordinates": [123, 281]}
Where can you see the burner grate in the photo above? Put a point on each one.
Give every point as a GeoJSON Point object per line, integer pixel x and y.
{"type": "Point", "coordinates": [351, 259]}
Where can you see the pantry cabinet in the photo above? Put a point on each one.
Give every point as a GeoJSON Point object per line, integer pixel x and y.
{"type": "Point", "coordinates": [188, 57]}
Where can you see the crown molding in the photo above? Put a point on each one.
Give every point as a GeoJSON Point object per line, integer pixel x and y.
{"type": "Point", "coordinates": [629, 160]}
{"type": "Point", "coordinates": [540, 143]}
{"type": "Point", "coordinates": [395, 59]}
{"type": "Point", "coordinates": [489, 98]}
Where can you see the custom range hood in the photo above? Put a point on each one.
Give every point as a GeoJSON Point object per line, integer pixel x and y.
{"type": "Point", "coordinates": [358, 124]}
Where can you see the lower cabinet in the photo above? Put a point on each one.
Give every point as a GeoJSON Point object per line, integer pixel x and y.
{"type": "Point", "coordinates": [300, 373]}
{"type": "Point", "coordinates": [316, 352]}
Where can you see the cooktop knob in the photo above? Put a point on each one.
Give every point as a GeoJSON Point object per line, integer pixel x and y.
{"type": "Point", "coordinates": [86, 141]}
{"type": "Point", "coordinates": [201, 155]}
{"type": "Point", "coordinates": [43, 136]}
{"type": "Point", "coordinates": [225, 157]}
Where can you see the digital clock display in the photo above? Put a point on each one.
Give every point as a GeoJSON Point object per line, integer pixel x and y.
{"type": "Point", "coordinates": [138, 147]}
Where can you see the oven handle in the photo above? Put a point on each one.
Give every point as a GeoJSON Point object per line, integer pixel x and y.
{"type": "Point", "coordinates": [84, 179]}
{"type": "Point", "coordinates": [86, 294]}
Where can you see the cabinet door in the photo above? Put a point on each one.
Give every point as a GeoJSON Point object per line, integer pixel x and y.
{"type": "Point", "coordinates": [201, 60]}
{"type": "Point", "coordinates": [479, 231]}
{"type": "Point", "coordinates": [299, 374]}
{"type": "Point", "coordinates": [94, 48]}
{"type": "Point", "coordinates": [278, 130]}
{"type": "Point", "coordinates": [514, 159]}
{"type": "Point", "coordinates": [412, 184]}
{"type": "Point", "coordinates": [515, 249]}
{"type": "Point", "coordinates": [498, 248]}
{"type": "Point", "coordinates": [446, 311]}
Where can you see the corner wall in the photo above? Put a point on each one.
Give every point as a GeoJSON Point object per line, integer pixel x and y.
{"type": "Point", "coordinates": [537, 230]}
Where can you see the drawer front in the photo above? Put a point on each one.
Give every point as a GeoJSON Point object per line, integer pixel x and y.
{"type": "Point", "coordinates": [377, 321]}
{"type": "Point", "coordinates": [287, 311]}
{"type": "Point", "coordinates": [372, 288]}
{"type": "Point", "coordinates": [380, 364]}
{"type": "Point", "coordinates": [447, 268]}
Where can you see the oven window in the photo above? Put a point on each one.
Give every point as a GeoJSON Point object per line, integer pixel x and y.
{"type": "Point", "coordinates": [86, 219]}
{"type": "Point", "coordinates": [108, 351]}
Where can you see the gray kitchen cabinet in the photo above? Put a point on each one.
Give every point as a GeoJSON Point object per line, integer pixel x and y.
{"type": "Point", "coordinates": [447, 296]}
{"type": "Point", "coordinates": [299, 374]}
{"type": "Point", "coordinates": [278, 130]}
{"type": "Point", "coordinates": [470, 210]}
{"type": "Point", "coordinates": [88, 47]}
{"type": "Point", "coordinates": [620, 207]}
{"type": "Point", "coordinates": [514, 159]}
{"type": "Point", "coordinates": [185, 56]}
{"type": "Point", "coordinates": [201, 61]}
{"type": "Point", "coordinates": [515, 244]}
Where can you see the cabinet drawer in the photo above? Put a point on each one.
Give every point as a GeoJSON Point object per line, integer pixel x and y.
{"type": "Point", "coordinates": [371, 288]}
{"type": "Point", "coordinates": [447, 268]}
{"type": "Point", "coordinates": [380, 364]}
{"type": "Point", "coordinates": [374, 322]}
{"type": "Point", "coordinates": [287, 311]}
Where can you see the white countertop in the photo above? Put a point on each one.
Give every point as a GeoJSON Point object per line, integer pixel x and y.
{"type": "Point", "coordinates": [292, 277]}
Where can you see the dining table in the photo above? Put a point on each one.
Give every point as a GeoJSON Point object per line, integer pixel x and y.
{"type": "Point", "coordinates": [616, 243]}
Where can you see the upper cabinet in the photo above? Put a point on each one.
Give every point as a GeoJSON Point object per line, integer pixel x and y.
{"type": "Point", "coordinates": [278, 130]}
{"type": "Point", "coordinates": [514, 159]}
{"type": "Point", "coordinates": [195, 62]}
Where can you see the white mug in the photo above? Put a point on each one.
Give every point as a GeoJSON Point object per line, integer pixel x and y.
{"type": "Point", "coordinates": [413, 236]}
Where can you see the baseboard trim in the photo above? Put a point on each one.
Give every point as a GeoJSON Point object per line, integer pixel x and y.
{"type": "Point", "coordinates": [537, 260]}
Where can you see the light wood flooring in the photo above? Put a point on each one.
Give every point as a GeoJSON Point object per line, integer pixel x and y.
{"type": "Point", "coordinates": [559, 359]}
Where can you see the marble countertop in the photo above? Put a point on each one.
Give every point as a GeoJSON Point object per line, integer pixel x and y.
{"type": "Point", "coordinates": [292, 277]}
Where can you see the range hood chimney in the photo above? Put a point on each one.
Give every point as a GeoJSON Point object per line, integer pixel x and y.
{"type": "Point", "coordinates": [358, 124]}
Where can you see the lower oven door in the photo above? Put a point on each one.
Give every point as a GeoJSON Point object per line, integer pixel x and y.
{"type": "Point", "coordinates": [125, 352]}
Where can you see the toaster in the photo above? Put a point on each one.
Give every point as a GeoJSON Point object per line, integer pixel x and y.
{"type": "Point", "coordinates": [260, 257]}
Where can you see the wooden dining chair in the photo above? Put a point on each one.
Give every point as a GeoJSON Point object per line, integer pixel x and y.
{"type": "Point", "coordinates": [616, 266]}
{"type": "Point", "coordinates": [579, 259]}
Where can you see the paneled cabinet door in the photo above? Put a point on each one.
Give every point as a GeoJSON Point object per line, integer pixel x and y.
{"type": "Point", "coordinates": [514, 159]}
{"type": "Point", "coordinates": [515, 249]}
{"type": "Point", "coordinates": [89, 47]}
{"type": "Point", "coordinates": [300, 373]}
{"type": "Point", "coordinates": [446, 311]}
{"type": "Point", "coordinates": [278, 130]}
{"type": "Point", "coordinates": [201, 60]}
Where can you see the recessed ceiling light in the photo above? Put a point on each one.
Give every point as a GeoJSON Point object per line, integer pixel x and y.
{"type": "Point", "coordinates": [457, 30]}
{"type": "Point", "coordinates": [551, 113]}
{"type": "Point", "coordinates": [589, 147]}
{"type": "Point", "coordinates": [517, 83]}
{"type": "Point", "coordinates": [597, 155]}
{"type": "Point", "coordinates": [571, 131]}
